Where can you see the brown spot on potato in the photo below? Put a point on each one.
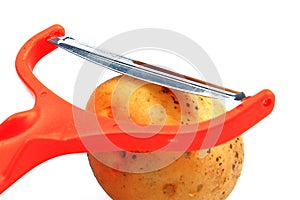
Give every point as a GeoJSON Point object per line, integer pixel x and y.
{"type": "Point", "coordinates": [233, 167]}
{"type": "Point", "coordinates": [169, 189]}
{"type": "Point", "coordinates": [165, 90]}
{"type": "Point", "coordinates": [174, 100]}
{"type": "Point", "coordinates": [236, 154]}
{"type": "Point", "coordinates": [199, 187]}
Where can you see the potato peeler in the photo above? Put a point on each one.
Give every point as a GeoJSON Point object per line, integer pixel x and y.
{"type": "Point", "coordinates": [54, 127]}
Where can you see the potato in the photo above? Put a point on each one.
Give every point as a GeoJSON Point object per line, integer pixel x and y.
{"type": "Point", "coordinates": [200, 175]}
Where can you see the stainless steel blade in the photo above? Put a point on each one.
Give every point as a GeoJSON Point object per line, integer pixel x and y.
{"type": "Point", "coordinates": [144, 71]}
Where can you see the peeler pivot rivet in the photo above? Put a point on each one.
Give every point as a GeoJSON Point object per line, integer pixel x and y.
{"type": "Point", "coordinates": [267, 102]}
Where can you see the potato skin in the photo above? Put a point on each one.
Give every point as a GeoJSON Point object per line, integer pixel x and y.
{"type": "Point", "coordinates": [200, 175]}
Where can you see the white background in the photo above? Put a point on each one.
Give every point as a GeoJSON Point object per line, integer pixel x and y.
{"type": "Point", "coordinates": [254, 45]}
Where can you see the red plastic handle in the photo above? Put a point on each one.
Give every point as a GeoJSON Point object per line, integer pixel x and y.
{"type": "Point", "coordinates": [55, 127]}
